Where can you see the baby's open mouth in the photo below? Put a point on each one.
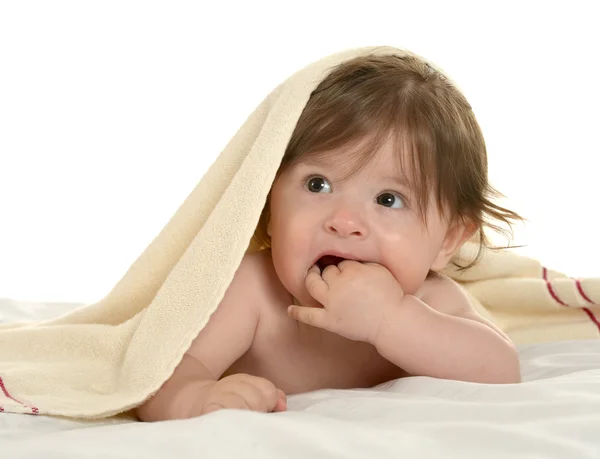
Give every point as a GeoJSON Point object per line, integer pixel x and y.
{"type": "Point", "coordinates": [328, 260]}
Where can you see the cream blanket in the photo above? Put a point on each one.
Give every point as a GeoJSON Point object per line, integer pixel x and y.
{"type": "Point", "coordinates": [108, 357]}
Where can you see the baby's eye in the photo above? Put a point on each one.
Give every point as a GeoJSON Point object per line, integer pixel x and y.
{"type": "Point", "coordinates": [391, 200]}
{"type": "Point", "coordinates": [316, 184]}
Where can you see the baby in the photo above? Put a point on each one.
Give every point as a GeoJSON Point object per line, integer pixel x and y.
{"type": "Point", "coordinates": [382, 181]}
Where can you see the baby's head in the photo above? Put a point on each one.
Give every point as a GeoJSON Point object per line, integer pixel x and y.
{"type": "Point", "coordinates": [387, 164]}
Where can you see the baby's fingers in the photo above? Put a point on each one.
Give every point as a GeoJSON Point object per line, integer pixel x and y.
{"type": "Point", "coordinates": [315, 284]}
{"type": "Point", "coordinates": [230, 400]}
{"type": "Point", "coordinates": [317, 317]}
{"type": "Point", "coordinates": [281, 404]}
{"type": "Point", "coordinates": [272, 398]}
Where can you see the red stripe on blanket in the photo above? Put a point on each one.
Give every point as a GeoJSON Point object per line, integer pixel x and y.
{"type": "Point", "coordinates": [34, 410]}
{"type": "Point", "coordinates": [581, 292]}
{"type": "Point", "coordinates": [550, 289]}
{"type": "Point", "coordinates": [592, 317]}
{"type": "Point", "coordinates": [589, 312]}
{"type": "Point", "coordinates": [6, 394]}
{"type": "Point", "coordinates": [553, 294]}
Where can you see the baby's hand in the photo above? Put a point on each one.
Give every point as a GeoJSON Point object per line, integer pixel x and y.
{"type": "Point", "coordinates": [355, 296]}
{"type": "Point", "coordinates": [242, 392]}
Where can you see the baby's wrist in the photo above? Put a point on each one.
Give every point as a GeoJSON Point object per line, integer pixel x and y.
{"type": "Point", "coordinates": [394, 331]}
{"type": "Point", "coordinates": [199, 392]}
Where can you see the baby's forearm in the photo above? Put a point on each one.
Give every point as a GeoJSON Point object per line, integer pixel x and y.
{"type": "Point", "coordinates": [177, 398]}
{"type": "Point", "coordinates": [177, 402]}
{"type": "Point", "coordinates": [426, 342]}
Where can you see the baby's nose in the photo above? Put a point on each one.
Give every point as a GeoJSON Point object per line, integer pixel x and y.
{"type": "Point", "coordinates": [347, 223]}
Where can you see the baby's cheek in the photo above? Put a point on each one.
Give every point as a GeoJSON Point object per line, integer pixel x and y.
{"type": "Point", "coordinates": [287, 270]}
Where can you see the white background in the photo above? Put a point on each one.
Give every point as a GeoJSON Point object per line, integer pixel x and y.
{"type": "Point", "coordinates": [110, 113]}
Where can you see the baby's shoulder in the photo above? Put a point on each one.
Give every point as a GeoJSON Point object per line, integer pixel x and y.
{"type": "Point", "coordinates": [444, 294]}
{"type": "Point", "coordinates": [434, 282]}
{"type": "Point", "coordinates": [253, 271]}
{"type": "Point", "coordinates": [260, 264]}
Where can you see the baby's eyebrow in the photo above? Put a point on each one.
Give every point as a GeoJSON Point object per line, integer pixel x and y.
{"type": "Point", "coordinates": [398, 180]}
{"type": "Point", "coordinates": [321, 161]}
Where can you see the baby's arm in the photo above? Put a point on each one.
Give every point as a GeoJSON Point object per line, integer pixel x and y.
{"type": "Point", "coordinates": [442, 336]}
{"type": "Point", "coordinates": [226, 337]}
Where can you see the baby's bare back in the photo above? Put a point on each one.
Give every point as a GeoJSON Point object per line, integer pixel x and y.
{"type": "Point", "coordinates": [299, 358]}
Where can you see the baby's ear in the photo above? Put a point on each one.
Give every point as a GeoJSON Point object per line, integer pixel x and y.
{"type": "Point", "coordinates": [456, 236]}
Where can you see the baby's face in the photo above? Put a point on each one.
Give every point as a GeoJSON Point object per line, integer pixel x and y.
{"type": "Point", "coordinates": [372, 217]}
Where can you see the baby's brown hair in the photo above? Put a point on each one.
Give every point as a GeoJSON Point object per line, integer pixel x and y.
{"type": "Point", "coordinates": [370, 99]}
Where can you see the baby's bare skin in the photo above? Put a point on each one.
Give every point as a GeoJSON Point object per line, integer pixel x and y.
{"type": "Point", "coordinates": [251, 352]}
{"type": "Point", "coordinates": [300, 358]}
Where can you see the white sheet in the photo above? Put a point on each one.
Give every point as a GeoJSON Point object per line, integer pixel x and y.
{"type": "Point", "coordinates": [555, 413]}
